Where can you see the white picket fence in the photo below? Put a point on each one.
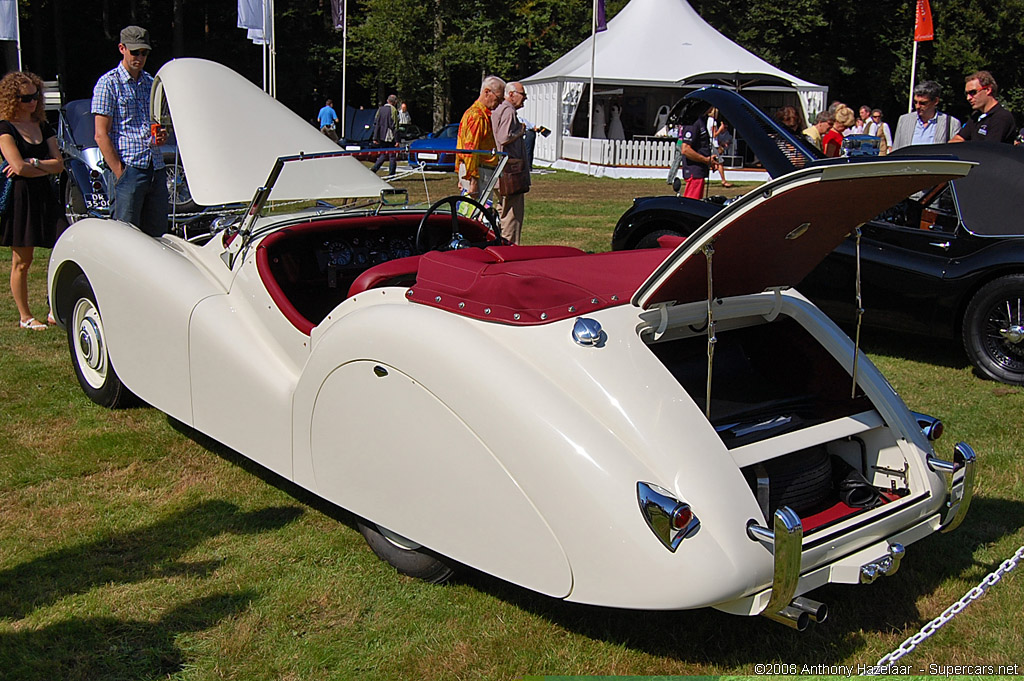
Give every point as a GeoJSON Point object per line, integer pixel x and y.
{"type": "Point", "coordinates": [619, 153]}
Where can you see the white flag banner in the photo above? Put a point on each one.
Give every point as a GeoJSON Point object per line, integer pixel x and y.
{"type": "Point", "coordinates": [8, 19]}
{"type": "Point", "coordinates": [254, 15]}
{"type": "Point", "coordinates": [250, 14]}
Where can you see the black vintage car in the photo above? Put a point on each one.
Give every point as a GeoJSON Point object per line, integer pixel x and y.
{"type": "Point", "coordinates": [946, 263]}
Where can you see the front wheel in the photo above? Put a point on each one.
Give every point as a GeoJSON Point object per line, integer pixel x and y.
{"type": "Point", "coordinates": [178, 193]}
{"type": "Point", "coordinates": [993, 329]}
{"type": "Point", "coordinates": [87, 342]}
{"type": "Point", "coordinates": [74, 201]}
{"type": "Point", "coordinates": [404, 555]}
{"type": "Point", "coordinates": [650, 240]}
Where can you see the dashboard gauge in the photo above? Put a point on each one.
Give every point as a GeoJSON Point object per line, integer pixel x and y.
{"type": "Point", "coordinates": [339, 254]}
{"type": "Point", "coordinates": [399, 248]}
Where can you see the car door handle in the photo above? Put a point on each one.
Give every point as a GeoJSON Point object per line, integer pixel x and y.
{"type": "Point", "coordinates": [944, 245]}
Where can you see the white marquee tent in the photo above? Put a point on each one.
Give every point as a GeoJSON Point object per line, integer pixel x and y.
{"type": "Point", "coordinates": [653, 50]}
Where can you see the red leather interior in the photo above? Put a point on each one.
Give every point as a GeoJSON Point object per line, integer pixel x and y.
{"type": "Point", "coordinates": [391, 272]}
{"type": "Point", "coordinates": [530, 284]}
{"type": "Point", "coordinates": [670, 240]}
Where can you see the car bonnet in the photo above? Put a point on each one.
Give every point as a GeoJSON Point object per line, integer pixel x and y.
{"type": "Point", "coordinates": [775, 235]}
{"type": "Point", "coordinates": [230, 133]}
{"type": "Point", "coordinates": [778, 150]}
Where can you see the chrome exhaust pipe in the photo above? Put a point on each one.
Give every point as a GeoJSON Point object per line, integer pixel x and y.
{"type": "Point", "coordinates": [818, 612]}
{"type": "Point", "coordinates": [791, 617]}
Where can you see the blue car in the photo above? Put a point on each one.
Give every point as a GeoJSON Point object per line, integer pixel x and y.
{"type": "Point", "coordinates": [433, 146]}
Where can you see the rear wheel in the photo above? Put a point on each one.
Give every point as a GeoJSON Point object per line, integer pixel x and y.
{"type": "Point", "coordinates": [993, 329]}
{"type": "Point", "coordinates": [406, 556]}
{"type": "Point", "coordinates": [87, 342]}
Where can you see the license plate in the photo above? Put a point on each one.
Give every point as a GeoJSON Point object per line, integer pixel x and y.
{"type": "Point", "coordinates": [427, 157]}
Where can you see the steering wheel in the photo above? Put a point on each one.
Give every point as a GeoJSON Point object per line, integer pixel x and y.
{"type": "Point", "coordinates": [422, 244]}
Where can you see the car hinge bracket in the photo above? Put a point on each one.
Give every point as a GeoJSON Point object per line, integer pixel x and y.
{"type": "Point", "coordinates": [709, 252]}
{"type": "Point", "coordinates": [859, 302]}
{"type": "Point", "coordinates": [776, 304]}
{"type": "Point", "coordinates": [662, 320]}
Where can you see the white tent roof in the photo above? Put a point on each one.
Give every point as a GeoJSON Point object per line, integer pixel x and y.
{"type": "Point", "coordinates": [664, 43]}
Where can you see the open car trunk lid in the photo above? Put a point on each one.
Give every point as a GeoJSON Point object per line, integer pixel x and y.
{"type": "Point", "coordinates": [774, 236]}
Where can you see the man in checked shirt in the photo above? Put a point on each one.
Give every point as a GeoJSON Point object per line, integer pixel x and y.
{"type": "Point", "coordinates": [120, 102]}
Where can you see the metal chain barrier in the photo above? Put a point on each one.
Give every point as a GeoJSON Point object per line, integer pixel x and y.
{"type": "Point", "coordinates": [948, 614]}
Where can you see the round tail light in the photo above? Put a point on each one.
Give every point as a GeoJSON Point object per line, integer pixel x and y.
{"type": "Point", "coordinates": [681, 517]}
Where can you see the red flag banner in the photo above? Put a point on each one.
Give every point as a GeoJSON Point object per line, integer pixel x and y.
{"type": "Point", "coordinates": [923, 22]}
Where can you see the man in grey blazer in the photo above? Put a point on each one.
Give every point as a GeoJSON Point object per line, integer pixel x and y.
{"type": "Point", "coordinates": [927, 125]}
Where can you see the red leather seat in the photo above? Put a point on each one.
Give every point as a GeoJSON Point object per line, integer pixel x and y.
{"type": "Point", "coordinates": [391, 273]}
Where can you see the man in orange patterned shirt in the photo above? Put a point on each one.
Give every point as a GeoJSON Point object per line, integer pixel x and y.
{"type": "Point", "coordinates": [475, 132]}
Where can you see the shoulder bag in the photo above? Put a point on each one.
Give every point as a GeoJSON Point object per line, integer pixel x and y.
{"type": "Point", "coordinates": [6, 187]}
{"type": "Point", "coordinates": [515, 179]}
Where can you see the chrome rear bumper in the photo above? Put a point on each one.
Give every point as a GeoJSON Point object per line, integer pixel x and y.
{"type": "Point", "coordinates": [787, 547]}
{"type": "Point", "coordinates": [960, 489]}
{"type": "Point", "coordinates": [786, 540]}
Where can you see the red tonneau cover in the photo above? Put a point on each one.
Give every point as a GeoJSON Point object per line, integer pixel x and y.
{"type": "Point", "coordinates": [530, 284]}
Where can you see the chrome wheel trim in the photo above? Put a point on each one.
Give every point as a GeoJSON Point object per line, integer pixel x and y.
{"type": "Point", "coordinates": [177, 185]}
{"type": "Point", "coordinates": [398, 540]}
{"type": "Point", "coordinates": [1003, 334]}
{"type": "Point", "coordinates": [90, 346]}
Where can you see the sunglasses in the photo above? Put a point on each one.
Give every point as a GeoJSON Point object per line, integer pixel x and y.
{"type": "Point", "coordinates": [25, 99]}
{"type": "Point", "coordinates": [971, 93]}
{"type": "Point", "coordinates": [141, 52]}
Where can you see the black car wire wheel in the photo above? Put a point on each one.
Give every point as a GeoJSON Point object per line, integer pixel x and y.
{"type": "Point", "coordinates": [994, 329]}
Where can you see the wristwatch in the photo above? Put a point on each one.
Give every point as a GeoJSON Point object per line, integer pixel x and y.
{"type": "Point", "coordinates": [34, 162]}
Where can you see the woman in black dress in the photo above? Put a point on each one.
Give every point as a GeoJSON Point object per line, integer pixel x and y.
{"type": "Point", "coordinates": [29, 146]}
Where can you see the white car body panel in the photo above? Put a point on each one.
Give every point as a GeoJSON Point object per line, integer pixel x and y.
{"type": "Point", "coordinates": [148, 333]}
{"type": "Point", "coordinates": [507, 447]}
{"type": "Point", "coordinates": [225, 163]}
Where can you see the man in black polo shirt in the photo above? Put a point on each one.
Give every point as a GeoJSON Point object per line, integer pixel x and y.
{"type": "Point", "coordinates": [695, 147]}
{"type": "Point", "coordinates": [990, 122]}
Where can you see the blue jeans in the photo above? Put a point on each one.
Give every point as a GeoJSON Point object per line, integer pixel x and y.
{"type": "Point", "coordinates": [140, 198]}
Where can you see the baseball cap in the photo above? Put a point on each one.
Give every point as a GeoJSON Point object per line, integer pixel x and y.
{"type": "Point", "coordinates": [134, 37]}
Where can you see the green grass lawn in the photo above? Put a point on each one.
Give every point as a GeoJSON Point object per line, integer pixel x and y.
{"type": "Point", "coordinates": [133, 548]}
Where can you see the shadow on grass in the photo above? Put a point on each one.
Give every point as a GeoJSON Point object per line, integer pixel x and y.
{"type": "Point", "coordinates": [107, 648]}
{"type": "Point", "coordinates": [300, 494]}
{"type": "Point", "coordinates": [708, 636]}
{"type": "Point", "coordinates": [134, 556]}
{"type": "Point", "coordinates": [941, 352]}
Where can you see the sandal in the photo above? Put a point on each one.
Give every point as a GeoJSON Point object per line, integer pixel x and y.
{"type": "Point", "coordinates": [50, 320]}
{"type": "Point", "coordinates": [728, 184]}
{"type": "Point", "coordinates": [32, 324]}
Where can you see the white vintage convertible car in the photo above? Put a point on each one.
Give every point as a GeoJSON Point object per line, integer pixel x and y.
{"type": "Point", "coordinates": [667, 428]}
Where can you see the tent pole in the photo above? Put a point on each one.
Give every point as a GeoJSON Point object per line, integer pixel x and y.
{"type": "Point", "coordinates": [593, 58]}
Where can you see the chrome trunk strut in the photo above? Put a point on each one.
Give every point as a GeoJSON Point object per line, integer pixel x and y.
{"type": "Point", "coordinates": [860, 315]}
{"type": "Point", "coordinates": [709, 251]}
